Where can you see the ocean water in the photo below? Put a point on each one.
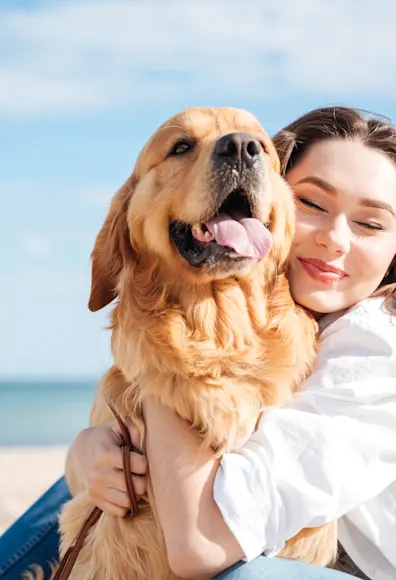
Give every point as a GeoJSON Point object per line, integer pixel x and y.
{"type": "Point", "coordinates": [44, 412]}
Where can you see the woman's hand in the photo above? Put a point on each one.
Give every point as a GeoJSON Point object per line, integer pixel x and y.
{"type": "Point", "coordinates": [94, 464]}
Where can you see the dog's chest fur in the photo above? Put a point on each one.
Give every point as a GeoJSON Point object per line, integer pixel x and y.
{"type": "Point", "coordinates": [217, 360]}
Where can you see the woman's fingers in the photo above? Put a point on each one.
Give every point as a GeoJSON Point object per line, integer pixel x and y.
{"type": "Point", "coordinates": [134, 433]}
{"type": "Point", "coordinates": [116, 480]}
{"type": "Point", "coordinates": [139, 464]}
{"type": "Point", "coordinates": [104, 481]}
{"type": "Point", "coordinates": [108, 450]}
{"type": "Point", "coordinates": [115, 497]}
{"type": "Point", "coordinates": [136, 437]}
{"type": "Point", "coordinates": [113, 459]}
{"type": "Point", "coordinates": [111, 509]}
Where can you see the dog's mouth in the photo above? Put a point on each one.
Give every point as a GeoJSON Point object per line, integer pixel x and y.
{"type": "Point", "coordinates": [230, 234]}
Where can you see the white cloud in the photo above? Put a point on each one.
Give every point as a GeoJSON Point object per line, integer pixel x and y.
{"type": "Point", "coordinates": [35, 244]}
{"type": "Point", "coordinates": [82, 56]}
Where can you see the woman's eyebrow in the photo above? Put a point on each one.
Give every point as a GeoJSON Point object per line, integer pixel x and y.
{"type": "Point", "coordinates": [368, 202]}
{"type": "Point", "coordinates": [319, 182]}
{"type": "Point", "coordinates": [330, 189]}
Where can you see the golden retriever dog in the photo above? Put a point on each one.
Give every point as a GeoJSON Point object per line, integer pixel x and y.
{"type": "Point", "coordinates": [194, 248]}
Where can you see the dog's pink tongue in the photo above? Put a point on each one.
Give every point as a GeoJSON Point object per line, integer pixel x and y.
{"type": "Point", "coordinates": [247, 236]}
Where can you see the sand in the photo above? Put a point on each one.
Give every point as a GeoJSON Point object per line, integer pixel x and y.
{"type": "Point", "coordinates": [25, 473]}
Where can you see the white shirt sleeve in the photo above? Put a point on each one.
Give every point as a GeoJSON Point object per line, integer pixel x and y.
{"type": "Point", "coordinates": [330, 451]}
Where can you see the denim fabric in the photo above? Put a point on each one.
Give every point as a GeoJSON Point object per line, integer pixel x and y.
{"type": "Point", "coordinates": [279, 569]}
{"type": "Point", "coordinates": [34, 538]}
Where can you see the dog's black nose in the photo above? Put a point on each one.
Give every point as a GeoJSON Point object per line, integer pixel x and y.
{"type": "Point", "coordinates": [237, 148]}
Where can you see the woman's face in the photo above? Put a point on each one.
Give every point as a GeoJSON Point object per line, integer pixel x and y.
{"type": "Point", "coordinates": [346, 224]}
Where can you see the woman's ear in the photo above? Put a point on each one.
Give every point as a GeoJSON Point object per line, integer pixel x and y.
{"type": "Point", "coordinates": [112, 249]}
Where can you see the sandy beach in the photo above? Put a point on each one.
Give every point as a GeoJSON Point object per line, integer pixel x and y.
{"type": "Point", "coordinates": [25, 473]}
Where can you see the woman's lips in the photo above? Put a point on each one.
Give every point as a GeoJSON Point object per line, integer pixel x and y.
{"type": "Point", "coordinates": [322, 272]}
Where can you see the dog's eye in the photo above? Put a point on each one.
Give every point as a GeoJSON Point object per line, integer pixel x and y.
{"type": "Point", "coordinates": [181, 147]}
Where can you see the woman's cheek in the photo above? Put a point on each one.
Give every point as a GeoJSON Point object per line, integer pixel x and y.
{"type": "Point", "coordinates": [304, 225]}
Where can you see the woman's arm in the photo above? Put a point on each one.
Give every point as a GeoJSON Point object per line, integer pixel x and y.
{"type": "Point", "coordinates": [332, 450]}
{"type": "Point", "coordinates": [199, 543]}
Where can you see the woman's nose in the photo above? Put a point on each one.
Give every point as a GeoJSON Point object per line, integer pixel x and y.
{"type": "Point", "coordinates": [336, 236]}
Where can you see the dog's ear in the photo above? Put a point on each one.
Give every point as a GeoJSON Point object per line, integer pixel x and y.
{"type": "Point", "coordinates": [112, 249]}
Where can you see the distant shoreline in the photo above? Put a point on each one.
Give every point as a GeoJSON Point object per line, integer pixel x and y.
{"type": "Point", "coordinates": [47, 379]}
{"type": "Point", "coordinates": [44, 413]}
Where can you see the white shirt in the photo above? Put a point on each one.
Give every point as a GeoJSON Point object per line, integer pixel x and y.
{"type": "Point", "coordinates": [330, 455]}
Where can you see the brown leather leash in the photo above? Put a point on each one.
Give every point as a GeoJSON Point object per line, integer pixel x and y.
{"type": "Point", "coordinates": [69, 559]}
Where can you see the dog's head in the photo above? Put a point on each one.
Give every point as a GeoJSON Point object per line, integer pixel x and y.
{"type": "Point", "coordinates": [205, 201]}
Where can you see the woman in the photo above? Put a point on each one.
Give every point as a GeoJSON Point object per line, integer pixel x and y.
{"type": "Point", "coordinates": [332, 454]}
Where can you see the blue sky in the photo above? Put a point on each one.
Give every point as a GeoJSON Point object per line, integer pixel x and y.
{"type": "Point", "coordinates": [82, 86]}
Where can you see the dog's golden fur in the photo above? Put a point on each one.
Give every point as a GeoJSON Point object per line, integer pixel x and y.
{"type": "Point", "coordinates": [216, 345]}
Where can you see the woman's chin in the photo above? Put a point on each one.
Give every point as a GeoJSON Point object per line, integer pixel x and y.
{"type": "Point", "coordinates": [320, 303]}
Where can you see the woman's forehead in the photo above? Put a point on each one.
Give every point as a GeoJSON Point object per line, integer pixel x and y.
{"type": "Point", "coordinates": [350, 166]}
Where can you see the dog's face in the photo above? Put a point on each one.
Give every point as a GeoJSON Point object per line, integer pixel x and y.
{"type": "Point", "coordinates": [205, 200]}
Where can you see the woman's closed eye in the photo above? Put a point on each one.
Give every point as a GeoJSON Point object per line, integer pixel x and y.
{"type": "Point", "coordinates": [370, 226]}
{"type": "Point", "coordinates": [310, 203]}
